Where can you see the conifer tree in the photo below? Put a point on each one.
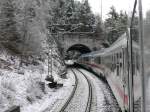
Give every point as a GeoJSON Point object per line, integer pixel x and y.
{"type": "Point", "coordinates": [115, 24]}
{"type": "Point", "coordinates": [8, 30]}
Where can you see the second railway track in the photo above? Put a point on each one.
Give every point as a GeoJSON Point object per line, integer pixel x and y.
{"type": "Point", "coordinates": [72, 94]}
{"type": "Point", "coordinates": [88, 108]}
{"type": "Point", "coordinates": [81, 97]}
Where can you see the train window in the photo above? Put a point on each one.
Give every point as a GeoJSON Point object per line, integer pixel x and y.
{"type": "Point", "coordinates": [120, 60]}
{"type": "Point", "coordinates": [135, 61]}
{"type": "Point", "coordinates": [117, 63]}
{"type": "Point", "coordinates": [99, 60]}
{"type": "Point", "coordinates": [120, 54]}
{"type": "Point", "coordinates": [86, 59]}
{"type": "Point", "coordinates": [95, 60]}
{"type": "Point", "coordinates": [113, 62]}
{"type": "Point", "coordinates": [123, 64]}
{"type": "Point", "coordinates": [137, 65]}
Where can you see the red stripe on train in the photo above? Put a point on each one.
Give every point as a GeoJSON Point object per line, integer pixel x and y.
{"type": "Point", "coordinates": [94, 65]}
{"type": "Point", "coordinates": [121, 93]}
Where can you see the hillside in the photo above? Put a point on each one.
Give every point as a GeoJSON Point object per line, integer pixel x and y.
{"type": "Point", "coordinates": [24, 52]}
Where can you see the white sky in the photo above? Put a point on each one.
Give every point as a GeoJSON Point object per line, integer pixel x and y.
{"type": "Point", "coordinates": [125, 5]}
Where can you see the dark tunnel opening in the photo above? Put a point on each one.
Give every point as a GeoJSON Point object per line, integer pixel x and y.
{"type": "Point", "coordinates": [76, 50]}
{"type": "Point", "coordinates": [80, 47]}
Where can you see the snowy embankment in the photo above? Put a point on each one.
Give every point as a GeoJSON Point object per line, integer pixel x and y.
{"type": "Point", "coordinates": [27, 87]}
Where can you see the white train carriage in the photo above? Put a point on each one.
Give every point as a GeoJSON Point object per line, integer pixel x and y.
{"type": "Point", "coordinates": [114, 63]}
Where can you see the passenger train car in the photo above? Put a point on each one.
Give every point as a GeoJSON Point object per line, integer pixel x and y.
{"type": "Point", "coordinates": [114, 64]}
{"type": "Point", "coordinates": [126, 65]}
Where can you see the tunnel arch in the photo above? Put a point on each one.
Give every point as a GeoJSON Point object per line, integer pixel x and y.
{"type": "Point", "coordinates": [79, 47]}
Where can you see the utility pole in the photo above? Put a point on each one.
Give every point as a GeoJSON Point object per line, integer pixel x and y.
{"type": "Point", "coordinates": [141, 35]}
{"type": "Point", "coordinates": [101, 4]}
{"type": "Point", "coordinates": [50, 57]}
{"type": "Point", "coordinates": [51, 54]}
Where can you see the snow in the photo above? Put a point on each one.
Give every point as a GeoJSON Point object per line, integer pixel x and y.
{"type": "Point", "coordinates": [15, 88]}
{"type": "Point", "coordinates": [26, 86]}
{"type": "Point", "coordinates": [18, 87]}
{"type": "Point", "coordinates": [53, 98]}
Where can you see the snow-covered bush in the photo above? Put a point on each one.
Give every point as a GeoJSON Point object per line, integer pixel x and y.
{"type": "Point", "coordinates": [8, 84]}
{"type": "Point", "coordinates": [34, 91]}
{"type": "Point", "coordinates": [17, 89]}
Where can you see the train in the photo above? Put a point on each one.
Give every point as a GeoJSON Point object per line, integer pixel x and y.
{"type": "Point", "coordinates": [125, 65]}
{"type": "Point", "coordinates": [114, 64]}
{"type": "Point", "coordinates": [70, 62]}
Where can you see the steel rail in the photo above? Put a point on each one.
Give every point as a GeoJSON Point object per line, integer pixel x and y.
{"type": "Point", "coordinates": [88, 107]}
{"type": "Point", "coordinates": [72, 93]}
{"type": "Point", "coordinates": [89, 102]}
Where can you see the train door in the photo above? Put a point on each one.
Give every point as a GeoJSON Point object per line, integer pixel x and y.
{"type": "Point", "coordinates": [121, 64]}
{"type": "Point", "coordinates": [113, 62]}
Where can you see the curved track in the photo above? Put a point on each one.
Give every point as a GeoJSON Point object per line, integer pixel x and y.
{"type": "Point", "coordinates": [88, 108]}
{"type": "Point", "coordinates": [78, 93]}
{"type": "Point", "coordinates": [72, 94]}
{"type": "Point", "coordinates": [90, 94]}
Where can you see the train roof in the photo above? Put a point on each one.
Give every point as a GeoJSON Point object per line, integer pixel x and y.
{"type": "Point", "coordinates": [118, 45]}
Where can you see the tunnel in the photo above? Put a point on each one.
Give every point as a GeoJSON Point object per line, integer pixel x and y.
{"type": "Point", "coordinates": [80, 47]}
{"type": "Point", "coordinates": [76, 50]}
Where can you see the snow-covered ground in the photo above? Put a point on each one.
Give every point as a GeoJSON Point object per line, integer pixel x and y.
{"type": "Point", "coordinates": [54, 98]}
{"type": "Point", "coordinates": [26, 86]}
{"type": "Point", "coordinates": [62, 95]}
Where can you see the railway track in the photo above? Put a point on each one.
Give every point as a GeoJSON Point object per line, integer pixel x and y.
{"type": "Point", "coordinates": [88, 108]}
{"type": "Point", "coordinates": [76, 97]}
{"type": "Point", "coordinates": [89, 94]}
{"type": "Point", "coordinates": [72, 94]}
